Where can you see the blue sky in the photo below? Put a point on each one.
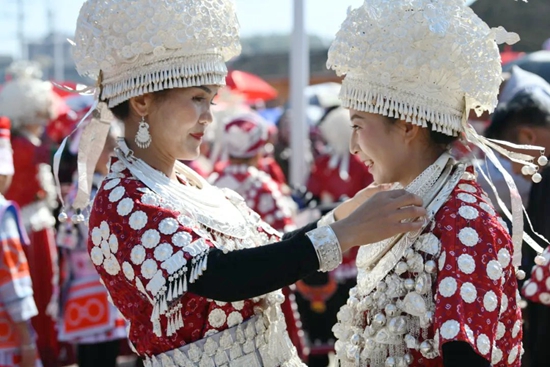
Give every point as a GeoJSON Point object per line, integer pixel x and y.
{"type": "Point", "coordinates": [323, 17]}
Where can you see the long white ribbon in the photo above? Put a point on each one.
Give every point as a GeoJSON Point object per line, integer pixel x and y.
{"type": "Point", "coordinates": [516, 216]}
{"type": "Point", "coordinates": [59, 152]}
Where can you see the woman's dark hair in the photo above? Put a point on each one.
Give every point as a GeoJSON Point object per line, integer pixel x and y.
{"type": "Point", "coordinates": [122, 110]}
{"type": "Point", "coordinates": [435, 137]}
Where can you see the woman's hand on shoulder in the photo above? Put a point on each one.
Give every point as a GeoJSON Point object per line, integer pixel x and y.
{"type": "Point", "coordinates": [347, 207]}
{"type": "Point", "coordinates": [385, 214]}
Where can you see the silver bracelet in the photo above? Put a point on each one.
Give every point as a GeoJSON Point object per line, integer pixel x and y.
{"type": "Point", "coordinates": [327, 219]}
{"type": "Point", "coordinates": [327, 247]}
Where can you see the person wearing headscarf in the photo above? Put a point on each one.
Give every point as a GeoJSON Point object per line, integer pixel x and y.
{"type": "Point", "coordinates": [195, 272]}
{"type": "Point", "coordinates": [30, 104]}
{"type": "Point", "coordinates": [446, 295]}
{"type": "Point", "coordinates": [244, 138]}
{"type": "Point", "coordinates": [17, 306]}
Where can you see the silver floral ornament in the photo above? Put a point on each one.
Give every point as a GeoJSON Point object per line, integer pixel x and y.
{"type": "Point", "coordinates": [391, 310]}
{"type": "Point", "coordinates": [379, 320]}
{"type": "Point", "coordinates": [430, 267]}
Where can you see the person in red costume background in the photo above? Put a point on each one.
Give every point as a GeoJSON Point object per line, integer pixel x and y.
{"type": "Point", "coordinates": [331, 176]}
{"type": "Point", "coordinates": [17, 306]}
{"type": "Point", "coordinates": [244, 139]}
{"type": "Point", "coordinates": [29, 102]}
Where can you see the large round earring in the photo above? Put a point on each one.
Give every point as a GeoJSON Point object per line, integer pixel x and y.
{"type": "Point", "coordinates": [143, 137]}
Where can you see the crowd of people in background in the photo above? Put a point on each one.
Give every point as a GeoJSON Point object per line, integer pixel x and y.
{"type": "Point", "coordinates": [54, 309]}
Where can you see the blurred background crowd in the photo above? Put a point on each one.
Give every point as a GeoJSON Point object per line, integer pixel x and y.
{"type": "Point", "coordinates": [247, 148]}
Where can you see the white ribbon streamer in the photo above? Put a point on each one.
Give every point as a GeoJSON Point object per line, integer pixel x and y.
{"type": "Point", "coordinates": [516, 216]}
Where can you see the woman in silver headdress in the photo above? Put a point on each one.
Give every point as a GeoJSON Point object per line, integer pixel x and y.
{"type": "Point", "coordinates": [446, 295]}
{"type": "Point", "coordinates": [183, 261]}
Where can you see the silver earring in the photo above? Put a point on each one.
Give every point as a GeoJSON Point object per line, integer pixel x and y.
{"type": "Point", "coordinates": [143, 138]}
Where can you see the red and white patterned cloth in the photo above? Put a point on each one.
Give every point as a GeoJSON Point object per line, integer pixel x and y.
{"type": "Point", "coordinates": [473, 293]}
{"type": "Point", "coordinates": [537, 287]}
{"type": "Point", "coordinates": [135, 238]}
{"type": "Point", "coordinates": [261, 193]}
{"type": "Point", "coordinates": [476, 292]}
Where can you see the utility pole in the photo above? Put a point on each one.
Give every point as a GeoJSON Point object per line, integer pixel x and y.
{"type": "Point", "coordinates": [57, 39]}
{"type": "Point", "coordinates": [299, 80]}
{"type": "Point", "coordinates": [21, 29]}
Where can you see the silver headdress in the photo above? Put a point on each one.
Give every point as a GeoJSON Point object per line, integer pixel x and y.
{"type": "Point", "coordinates": [429, 61]}
{"type": "Point", "coordinates": [143, 46]}
{"type": "Point", "coordinates": [26, 98]}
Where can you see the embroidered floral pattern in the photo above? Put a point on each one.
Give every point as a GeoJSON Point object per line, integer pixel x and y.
{"type": "Point", "coordinates": [217, 318]}
{"type": "Point", "coordinates": [111, 184]}
{"type": "Point", "coordinates": [168, 226]}
{"type": "Point", "coordinates": [116, 194]}
{"type": "Point", "coordinates": [125, 207]}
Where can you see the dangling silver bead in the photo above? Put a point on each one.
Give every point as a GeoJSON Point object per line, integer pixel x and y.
{"type": "Point", "coordinates": [390, 362]}
{"type": "Point", "coordinates": [370, 344]}
{"type": "Point", "coordinates": [411, 342]}
{"type": "Point", "coordinates": [62, 217]}
{"type": "Point", "coordinates": [77, 217]}
{"type": "Point", "coordinates": [426, 347]}
{"type": "Point", "coordinates": [401, 268]}
{"type": "Point", "coordinates": [352, 351]}
{"type": "Point", "coordinates": [356, 339]}
{"type": "Point", "coordinates": [379, 320]}
{"type": "Point", "coordinates": [540, 260]}
{"type": "Point", "coordinates": [400, 362]}
{"type": "Point", "coordinates": [542, 161]}
{"type": "Point", "coordinates": [536, 178]}
{"type": "Point", "coordinates": [525, 170]}
{"type": "Point", "coordinates": [391, 310]}
{"type": "Point", "coordinates": [409, 284]}
{"type": "Point", "coordinates": [531, 170]}
{"type": "Point", "coordinates": [520, 274]}
{"type": "Point", "coordinates": [430, 266]}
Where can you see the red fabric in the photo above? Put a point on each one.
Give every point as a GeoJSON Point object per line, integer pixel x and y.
{"type": "Point", "coordinates": [486, 313]}
{"type": "Point", "coordinates": [266, 164]}
{"type": "Point", "coordinates": [130, 301]}
{"type": "Point", "coordinates": [293, 323]}
{"type": "Point", "coordinates": [42, 258]}
{"type": "Point", "coordinates": [270, 166]}
{"type": "Point", "coordinates": [261, 193]}
{"type": "Point", "coordinates": [250, 86]}
{"type": "Point", "coordinates": [326, 182]}
{"type": "Point", "coordinates": [25, 187]}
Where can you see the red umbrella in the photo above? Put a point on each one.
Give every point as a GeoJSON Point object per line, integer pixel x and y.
{"type": "Point", "coordinates": [251, 86]}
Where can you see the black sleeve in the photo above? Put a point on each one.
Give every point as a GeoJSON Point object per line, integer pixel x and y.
{"type": "Point", "coordinates": [249, 273]}
{"type": "Point", "coordinates": [460, 354]}
{"type": "Point", "coordinates": [301, 231]}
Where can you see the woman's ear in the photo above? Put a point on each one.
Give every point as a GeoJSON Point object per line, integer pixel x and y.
{"type": "Point", "coordinates": [526, 135]}
{"type": "Point", "coordinates": [410, 131]}
{"type": "Point", "coordinates": [141, 105]}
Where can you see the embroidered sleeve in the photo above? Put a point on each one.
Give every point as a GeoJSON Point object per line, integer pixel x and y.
{"type": "Point", "coordinates": [476, 289]}
{"type": "Point", "coordinates": [537, 288]}
{"type": "Point", "coordinates": [157, 249]}
{"type": "Point", "coordinates": [16, 293]}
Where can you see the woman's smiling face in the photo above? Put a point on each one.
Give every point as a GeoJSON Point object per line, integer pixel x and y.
{"type": "Point", "coordinates": [380, 144]}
